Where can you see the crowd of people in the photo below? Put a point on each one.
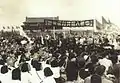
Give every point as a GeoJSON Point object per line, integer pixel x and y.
{"type": "Point", "coordinates": [58, 60]}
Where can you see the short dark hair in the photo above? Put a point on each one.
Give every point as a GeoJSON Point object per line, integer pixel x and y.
{"type": "Point", "coordinates": [38, 67]}
{"type": "Point", "coordinates": [99, 70]}
{"type": "Point", "coordinates": [114, 59]}
{"type": "Point", "coordinates": [94, 59]}
{"type": "Point", "coordinates": [48, 72]}
{"type": "Point", "coordinates": [4, 69]}
{"type": "Point", "coordinates": [96, 79]}
{"type": "Point", "coordinates": [24, 67]}
{"type": "Point", "coordinates": [54, 63]}
{"type": "Point", "coordinates": [34, 63]}
{"type": "Point", "coordinates": [83, 74]}
{"type": "Point", "coordinates": [2, 62]}
{"type": "Point", "coordinates": [16, 74]}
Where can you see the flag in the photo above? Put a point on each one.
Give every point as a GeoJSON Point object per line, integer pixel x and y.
{"type": "Point", "coordinates": [104, 21]}
{"type": "Point", "coordinates": [3, 27]}
{"type": "Point", "coordinates": [12, 27]}
{"type": "Point", "coordinates": [8, 27]}
{"type": "Point", "coordinates": [109, 21]}
{"type": "Point", "coordinates": [98, 25]}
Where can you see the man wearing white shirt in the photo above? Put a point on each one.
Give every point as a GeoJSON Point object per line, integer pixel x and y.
{"type": "Point", "coordinates": [106, 62]}
{"type": "Point", "coordinates": [5, 75]}
{"type": "Point", "coordinates": [55, 69]}
{"type": "Point", "coordinates": [26, 76]}
{"type": "Point", "coordinates": [48, 76]}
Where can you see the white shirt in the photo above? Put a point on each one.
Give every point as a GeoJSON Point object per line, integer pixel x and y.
{"type": "Point", "coordinates": [82, 40]}
{"type": "Point", "coordinates": [41, 74]}
{"type": "Point", "coordinates": [49, 79]}
{"type": "Point", "coordinates": [5, 78]}
{"type": "Point", "coordinates": [118, 58]}
{"type": "Point", "coordinates": [106, 62]}
{"type": "Point", "coordinates": [35, 77]}
{"type": "Point", "coordinates": [0, 67]}
{"type": "Point", "coordinates": [44, 65]}
{"type": "Point", "coordinates": [17, 62]}
{"type": "Point", "coordinates": [14, 81]}
{"type": "Point", "coordinates": [56, 72]}
{"type": "Point", "coordinates": [90, 40]}
{"type": "Point", "coordinates": [87, 80]}
{"type": "Point", "coordinates": [26, 77]}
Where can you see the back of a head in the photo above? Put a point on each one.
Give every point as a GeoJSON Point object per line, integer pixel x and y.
{"type": "Point", "coordinates": [16, 74]}
{"type": "Point", "coordinates": [34, 63]}
{"type": "Point", "coordinates": [81, 62]}
{"type": "Point", "coordinates": [2, 62]}
{"type": "Point", "coordinates": [94, 59]}
{"type": "Point", "coordinates": [54, 63]}
{"type": "Point", "coordinates": [48, 72]}
{"type": "Point", "coordinates": [71, 56]}
{"type": "Point", "coordinates": [90, 66]}
{"type": "Point", "coordinates": [4, 69]}
{"type": "Point", "coordinates": [83, 73]}
{"type": "Point", "coordinates": [38, 67]}
{"type": "Point", "coordinates": [99, 70]}
{"type": "Point", "coordinates": [114, 59]}
{"type": "Point", "coordinates": [25, 67]}
{"type": "Point", "coordinates": [96, 79]}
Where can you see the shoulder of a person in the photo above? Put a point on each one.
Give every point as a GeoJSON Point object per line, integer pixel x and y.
{"type": "Point", "coordinates": [106, 81]}
{"type": "Point", "coordinates": [47, 80]}
{"type": "Point", "coordinates": [88, 78]}
{"type": "Point", "coordinates": [25, 74]}
{"type": "Point", "coordinates": [15, 81]}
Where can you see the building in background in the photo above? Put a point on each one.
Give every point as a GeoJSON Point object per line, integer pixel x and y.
{"type": "Point", "coordinates": [54, 24]}
{"type": "Point", "coordinates": [37, 23]}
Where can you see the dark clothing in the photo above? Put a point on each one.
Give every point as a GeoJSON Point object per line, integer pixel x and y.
{"type": "Point", "coordinates": [116, 72]}
{"type": "Point", "coordinates": [71, 71]}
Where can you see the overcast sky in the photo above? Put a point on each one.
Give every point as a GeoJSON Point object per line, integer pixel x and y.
{"type": "Point", "coordinates": [13, 12]}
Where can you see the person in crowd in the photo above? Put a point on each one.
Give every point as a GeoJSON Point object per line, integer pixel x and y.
{"type": "Point", "coordinates": [5, 74]}
{"type": "Point", "coordinates": [116, 72]}
{"type": "Point", "coordinates": [55, 69]}
{"type": "Point", "coordinates": [71, 69]}
{"type": "Point", "coordinates": [92, 64]}
{"type": "Point", "coordinates": [82, 75]}
{"type": "Point", "coordinates": [1, 63]}
{"type": "Point", "coordinates": [36, 71]}
{"type": "Point", "coordinates": [16, 76]}
{"type": "Point", "coordinates": [39, 71]}
{"type": "Point", "coordinates": [105, 61]}
{"type": "Point", "coordinates": [26, 76]}
{"type": "Point", "coordinates": [51, 57]}
{"type": "Point", "coordinates": [98, 76]}
{"type": "Point", "coordinates": [48, 76]}
{"type": "Point", "coordinates": [83, 72]}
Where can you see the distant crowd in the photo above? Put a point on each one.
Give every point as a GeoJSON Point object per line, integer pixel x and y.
{"type": "Point", "coordinates": [59, 60]}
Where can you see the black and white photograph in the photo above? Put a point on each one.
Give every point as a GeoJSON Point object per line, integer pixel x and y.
{"type": "Point", "coordinates": [59, 41]}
